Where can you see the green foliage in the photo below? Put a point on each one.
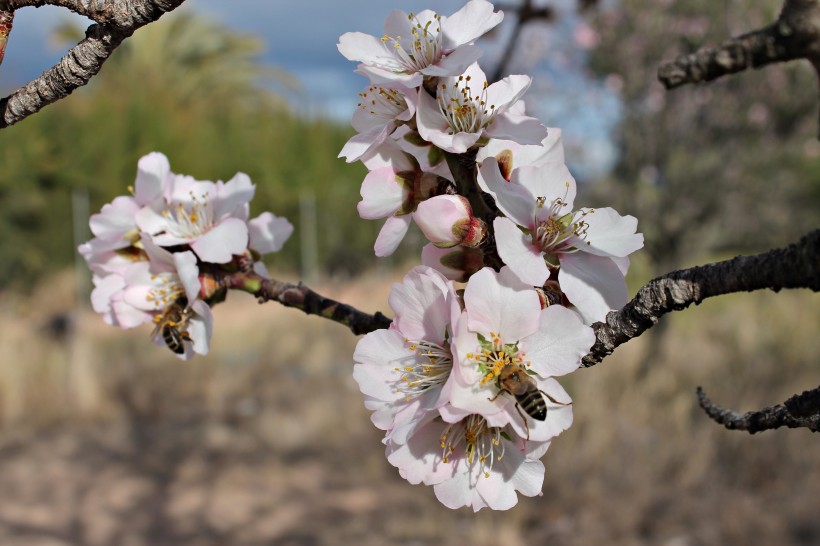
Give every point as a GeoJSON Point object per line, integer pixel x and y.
{"type": "Point", "coordinates": [193, 91]}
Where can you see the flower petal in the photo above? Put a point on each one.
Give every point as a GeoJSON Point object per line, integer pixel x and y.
{"type": "Point", "coordinates": [391, 235]}
{"type": "Point", "coordinates": [222, 242]}
{"type": "Point", "coordinates": [519, 253]}
{"type": "Point", "coordinates": [593, 284]}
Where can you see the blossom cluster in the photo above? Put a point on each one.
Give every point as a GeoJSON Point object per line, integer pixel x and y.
{"type": "Point", "coordinates": [157, 255]}
{"type": "Point", "coordinates": [463, 386]}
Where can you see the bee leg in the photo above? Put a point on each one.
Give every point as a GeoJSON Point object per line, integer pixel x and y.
{"type": "Point", "coordinates": [553, 400]}
{"type": "Point", "coordinates": [526, 425]}
{"type": "Point", "coordinates": [494, 397]}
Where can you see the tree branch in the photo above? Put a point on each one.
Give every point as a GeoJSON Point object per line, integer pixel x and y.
{"type": "Point", "coordinates": [117, 21]}
{"type": "Point", "coordinates": [795, 266]}
{"type": "Point", "coordinates": [799, 411]}
{"type": "Point", "coordinates": [795, 35]}
{"type": "Point", "coordinates": [301, 297]}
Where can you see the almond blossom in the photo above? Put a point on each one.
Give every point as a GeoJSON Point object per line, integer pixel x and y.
{"type": "Point", "coordinates": [116, 236]}
{"type": "Point", "coordinates": [393, 188]}
{"type": "Point", "coordinates": [210, 217]}
{"type": "Point", "coordinates": [470, 463]}
{"type": "Point", "coordinates": [467, 108]}
{"type": "Point", "coordinates": [402, 371]}
{"type": "Point", "coordinates": [421, 44]}
{"type": "Point", "coordinates": [379, 113]}
{"type": "Point", "coordinates": [542, 233]}
{"type": "Point", "coordinates": [505, 329]}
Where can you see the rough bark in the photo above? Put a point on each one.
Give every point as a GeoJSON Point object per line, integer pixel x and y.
{"type": "Point", "coordinates": [799, 411]}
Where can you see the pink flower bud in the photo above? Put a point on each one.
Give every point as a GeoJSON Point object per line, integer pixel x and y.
{"type": "Point", "coordinates": [447, 221]}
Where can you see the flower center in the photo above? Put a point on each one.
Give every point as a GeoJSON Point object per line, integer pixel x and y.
{"type": "Point", "coordinates": [465, 112]}
{"type": "Point", "coordinates": [483, 444]}
{"type": "Point", "coordinates": [422, 49]}
{"type": "Point", "coordinates": [166, 291]}
{"type": "Point", "coordinates": [553, 231]}
{"type": "Point", "coordinates": [430, 366]}
{"type": "Point", "coordinates": [495, 356]}
{"type": "Point", "coordinates": [383, 103]}
{"type": "Point", "coordinates": [191, 221]}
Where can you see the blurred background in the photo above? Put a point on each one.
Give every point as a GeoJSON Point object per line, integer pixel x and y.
{"type": "Point", "coordinates": [106, 439]}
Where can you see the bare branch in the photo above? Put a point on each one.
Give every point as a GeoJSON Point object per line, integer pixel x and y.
{"type": "Point", "coordinates": [795, 35]}
{"type": "Point", "coordinates": [118, 21]}
{"type": "Point", "coordinates": [799, 411]}
{"type": "Point", "coordinates": [301, 297]}
{"type": "Point", "coordinates": [795, 266]}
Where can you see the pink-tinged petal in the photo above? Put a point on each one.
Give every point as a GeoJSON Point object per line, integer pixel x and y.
{"type": "Point", "coordinates": [622, 263]}
{"type": "Point", "coordinates": [421, 304]}
{"type": "Point", "coordinates": [150, 221]}
{"type": "Point", "coordinates": [593, 284]}
{"type": "Point", "coordinates": [398, 23]}
{"type": "Point", "coordinates": [219, 245]}
{"type": "Point", "coordinates": [455, 63]}
{"type": "Point", "coordinates": [200, 327]}
{"type": "Point", "coordinates": [501, 303]}
{"type": "Point", "coordinates": [127, 316]}
{"type": "Point", "coordinates": [419, 460]}
{"type": "Point", "coordinates": [232, 196]}
{"type": "Point", "coordinates": [389, 154]}
{"type": "Point", "coordinates": [521, 129]}
{"type": "Point", "coordinates": [188, 272]}
{"type": "Point", "coordinates": [391, 235]}
{"type": "Point", "coordinates": [115, 218]}
{"type": "Point", "coordinates": [513, 199]}
{"type": "Point", "coordinates": [470, 22]}
{"type": "Point", "coordinates": [553, 149]}
{"type": "Point", "coordinates": [268, 233]}
{"type": "Point", "coordinates": [362, 143]}
{"type": "Point", "coordinates": [517, 251]}
{"type": "Point", "coordinates": [551, 181]}
{"type": "Point", "coordinates": [382, 194]}
{"type": "Point", "coordinates": [153, 176]}
{"type": "Point", "coordinates": [456, 492]}
{"type": "Point", "coordinates": [189, 191]}
{"type": "Point", "coordinates": [357, 46]}
{"type": "Point", "coordinates": [160, 259]}
{"type": "Point", "coordinates": [431, 122]}
{"type": "Point", "coordinates": [377, 355]}
{"type": "Point", "coordinates": [506, 92]}
{"type": "Point", "coordinates": [609, 234]}
{"type": "Point", "coordinates": [560, 343]}
{"type": "Point", "coordinates": [528, 479]}
{"type": "Point", "coordinates": [104, 290]}
{"type": "Point", "coordinates": [389, 78]}
{"type": "Point", "coordinates": [443, 219]}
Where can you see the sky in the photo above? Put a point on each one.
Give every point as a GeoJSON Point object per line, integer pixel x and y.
{"type": "Point", "coordinates": [301, 37]}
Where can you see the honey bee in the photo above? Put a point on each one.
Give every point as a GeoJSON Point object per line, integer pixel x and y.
{"type": "Point", "coordinates": [172, 325]}
{"type": "Point", "coordinates": [515, 380]}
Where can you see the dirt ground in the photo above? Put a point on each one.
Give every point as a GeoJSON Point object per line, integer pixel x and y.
{"type": "Point", "coordinates": [107, 440]}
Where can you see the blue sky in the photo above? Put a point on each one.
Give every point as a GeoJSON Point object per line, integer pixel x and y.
{"type": "Point", "coordinates": [301, 37]}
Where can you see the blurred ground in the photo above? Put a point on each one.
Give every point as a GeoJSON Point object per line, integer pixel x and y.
{"type": "Point", "coordinates": [108, 440]}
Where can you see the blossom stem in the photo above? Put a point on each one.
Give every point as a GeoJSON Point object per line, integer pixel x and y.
{"type": "Point", "coordinates": [310, 302]}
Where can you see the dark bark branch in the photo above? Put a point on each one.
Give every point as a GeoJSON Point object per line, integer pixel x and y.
{"type": "Point", "coordinates": [795, 266]}
{"type": "Point", "coordinates": [301, 297]}
{"type": "Point", "coordinates": [795, 35]}
{"type": "Point", "coordinates": [799, 411]}
{"type": "Point", "coordinates": [117, 21]}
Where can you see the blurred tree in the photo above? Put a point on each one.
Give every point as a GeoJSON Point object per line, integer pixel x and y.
{"type": "Point", "coordinates": [726, 167]}
{"type": "Point", "coordinates": [194, 90]}
{"type": "Point", "coordinates": [722, 168]}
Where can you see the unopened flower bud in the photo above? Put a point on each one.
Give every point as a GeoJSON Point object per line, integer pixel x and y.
{"type": "Point", "coordinates": [447, 221]}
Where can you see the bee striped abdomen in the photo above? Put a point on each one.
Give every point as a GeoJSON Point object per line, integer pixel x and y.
{"type": "Point", "coordinates": [173, 338]}
{"type": "Point", "coordinates": [533, 404]}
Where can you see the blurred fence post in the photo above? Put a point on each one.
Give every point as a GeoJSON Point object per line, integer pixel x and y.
{"type": "Point", "coordinates": [308, 243]}
{"type": "Point", "coordinates": [80, 211]}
